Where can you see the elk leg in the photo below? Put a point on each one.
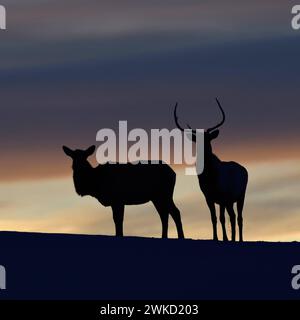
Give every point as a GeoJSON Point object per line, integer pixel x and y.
{"type": "Point", "coordinates": [240, 206]}
{"type": "Point", "coordinates": [164, 220]}
{"type": "Point", "coordinates": [232, 216]}
{"type": "Point", "coordinates": [118, 216]}
{"type": "Point", "coordinates": [212, 209]}
{"type": "Point", "coordinates": [164, 216]}
{"type": "Point", "coordinates": [175, 214]}
{"type": "Point", "coordinates": [222, 220]}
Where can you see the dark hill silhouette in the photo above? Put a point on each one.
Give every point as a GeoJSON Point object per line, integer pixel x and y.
{"type": "Point", "coordinates": [58, 266]}
{"type": "Point", "coordinates": [117, 185]}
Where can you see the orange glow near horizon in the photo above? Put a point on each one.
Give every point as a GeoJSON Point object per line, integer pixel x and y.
{"type": "Point", "coordinates": [272, 209]}
{"type": "Point", "coordinates": [48, 164]}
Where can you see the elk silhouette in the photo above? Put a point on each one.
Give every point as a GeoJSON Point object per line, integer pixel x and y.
{"type": "Point", "coordinates": [120, 184]}
{"type": "Point", "coordinates": [222, 183]}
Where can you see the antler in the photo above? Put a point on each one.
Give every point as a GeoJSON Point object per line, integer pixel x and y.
{"type": "Point", "coordinates": [176, 118]}
{"type": "Point", "coordinates": [223, 118]}
{"type": "Point", "coordinates": [209, 129]}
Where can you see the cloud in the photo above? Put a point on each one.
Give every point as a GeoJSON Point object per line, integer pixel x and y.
{"type": "Point", "coordinates": [52, 32]}
{"type": "Point", "coordinates": [69, 68]}
{"type": "Point", "coordinates": [64, 79]}
{"type": "Point", "coordinates": [106, 18]}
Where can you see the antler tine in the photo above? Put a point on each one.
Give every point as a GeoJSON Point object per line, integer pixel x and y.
{"type": "Point", "coordinates": [223, 117]}
{"type": "Point", "coordinates": [176, 118]}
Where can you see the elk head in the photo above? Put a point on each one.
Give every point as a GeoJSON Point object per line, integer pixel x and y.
{"type": "Point", "coordinates": [79, 156]}
{"type": "Point", "coordinates": [209, 134]}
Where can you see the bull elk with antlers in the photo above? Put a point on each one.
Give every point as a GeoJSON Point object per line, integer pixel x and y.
{"type": "Point", "coordinates": [222, 183]}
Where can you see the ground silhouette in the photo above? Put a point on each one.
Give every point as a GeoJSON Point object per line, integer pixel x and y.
{"type": "Point", "coordinates": [60, 266]}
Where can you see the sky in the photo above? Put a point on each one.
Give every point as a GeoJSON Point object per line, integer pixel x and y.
{"type": "Point", "coordinates": [69, 68]}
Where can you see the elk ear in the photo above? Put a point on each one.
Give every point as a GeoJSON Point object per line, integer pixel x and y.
{"type": "Point", "coordinates": [213, 135]}
{"type": "Point", "coordinates": [68, 151]}
{"type": "Point", "coordinates": [89, 151]}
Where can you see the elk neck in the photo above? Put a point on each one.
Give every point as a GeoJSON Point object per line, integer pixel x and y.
{"type": "Point", "coordinates": [211, 163]}
{"type": "Point", "coordinates": [83, 177]}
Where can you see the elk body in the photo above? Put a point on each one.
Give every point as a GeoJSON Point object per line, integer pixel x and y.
{"type": "Point", "coordinates": [117, 185]}
{"type": "Point", "coordinates": [222, 183]}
